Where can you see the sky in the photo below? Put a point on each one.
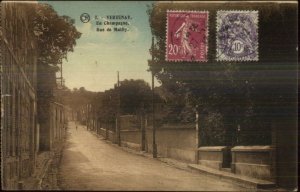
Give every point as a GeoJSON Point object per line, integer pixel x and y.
{"type": "Point", "coordinates": [99, 55]}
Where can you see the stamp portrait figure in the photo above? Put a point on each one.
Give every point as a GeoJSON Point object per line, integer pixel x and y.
{"type": "Point", "coordinates": [237, 36]}
{"type": "Point", "coordinates": [187, 36]}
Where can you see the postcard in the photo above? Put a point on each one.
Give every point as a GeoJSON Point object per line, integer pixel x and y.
{"type": "Point", "coordinates": [149, 95]}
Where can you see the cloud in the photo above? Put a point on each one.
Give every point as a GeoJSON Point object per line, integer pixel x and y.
{"type": "Point", "coordinates": [132, 35]}
{"type": "Point", "coordinates": [85, 29]}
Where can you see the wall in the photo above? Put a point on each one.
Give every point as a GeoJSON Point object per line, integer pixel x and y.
{"type": "Point", "coordinates": [178, 143]}
{"type": "Point", "coordinates": [173, 141]}
{"type": "Point", "coordinates": [253, 161]}
{"type": "Point", "coordinates": [131, 139]}
{"type": "Point", "coordinates": [56, 124]}
{"type": "Point", "coordinates": [44, 139]}
{"type": "Point", "coordinates": [53, 125]}
{"type": "Point", "coordinates": [18, 95]}
{"type": "Point", "coordinates": [216, 157]}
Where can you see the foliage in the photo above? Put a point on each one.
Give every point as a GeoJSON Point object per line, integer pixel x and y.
{"type": "Point", "coordinates": [134, 94]}
{"type": "Point", "coordinates": [56, 35]}
{"type": "Point", "coordinates": [229, 95]}
{"type": "Point", "coordinates": [177, 108]}
{"type": "Point", "coordinates": [132, 97]}
{"type": "Point", "coordinates": [77, 100]}
{"type": "Point", "coordinates": [107, 107]}
{"type": "Point", "coordinates": [213, 133]}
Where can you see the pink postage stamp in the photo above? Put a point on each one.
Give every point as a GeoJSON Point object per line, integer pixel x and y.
{"type": "Point", "coordinates": [187, 34]}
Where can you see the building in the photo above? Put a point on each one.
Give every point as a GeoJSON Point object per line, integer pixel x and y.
{"type": "Point", "coordinates": [32, 118]}
{"type": "Point", "coordinates": [53, 128]}
{"type": "Point", "coordinates": [18, 95]}
{"type": "Point", "coordinates": [52, 117]}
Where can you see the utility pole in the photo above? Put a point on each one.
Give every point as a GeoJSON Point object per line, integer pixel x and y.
{"type": "Point", "coordinates": [61, 75]}
{"type": "Point", "coordinates": [118, 112]}
{"type": "Point", "coordinates": [142, 117]}
{"type": "Point", "coordinates": [154, 150]}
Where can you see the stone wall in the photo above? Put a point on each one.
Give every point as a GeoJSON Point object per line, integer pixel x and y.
{"type": "Point", "coordinates": [253, 161]}
{"type": "Point", "coordinates": [177, 143]}
{"type": "Point", "coordinates": [131, 139]}
{"type": "Point", "coordinates": [173, 141]}
{"type": "Point", "coordinates": [216, 157]}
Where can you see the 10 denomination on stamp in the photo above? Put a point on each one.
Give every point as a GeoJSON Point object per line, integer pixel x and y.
{"type": "Point", "coordinates": [237, 36]}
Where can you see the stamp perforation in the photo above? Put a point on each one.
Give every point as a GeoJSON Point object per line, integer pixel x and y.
{"type": "Point", "coordinates": [245, 58]}
{"type": "Point", "coordinates": [206, 35]}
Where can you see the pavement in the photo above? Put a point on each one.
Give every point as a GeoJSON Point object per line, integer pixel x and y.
{"type": "Point", "coordinates": [42, 163]}
{"type": "Point", "coordinates": [49, 179]}
{"type": "Point", "coordinates": [44, 176]}
{"type": "Point", "coordinates": [90, 163]}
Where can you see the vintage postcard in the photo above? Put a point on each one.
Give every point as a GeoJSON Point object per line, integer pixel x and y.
{"type": "Point", "coordinates": [149, 95]}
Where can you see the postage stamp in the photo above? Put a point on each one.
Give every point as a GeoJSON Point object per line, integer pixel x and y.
{"type": "Point", "coordinates": [186, 36]}
{"type": "Point", "coordinates": [237, 36]}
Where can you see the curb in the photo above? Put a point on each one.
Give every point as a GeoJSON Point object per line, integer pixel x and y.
{"type": "Point", "coordinates": [45, 170]}
{"type": "Point", "coordinates": [248, 183]}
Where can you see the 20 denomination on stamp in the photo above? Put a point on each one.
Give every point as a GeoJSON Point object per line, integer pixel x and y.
{"type": "Point", "coordinates": [186, 38]}
{"type": "Point", "coordinates": [237, 36]}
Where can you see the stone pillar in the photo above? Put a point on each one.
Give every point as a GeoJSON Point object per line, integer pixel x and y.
{"type": "Point", "coordinates": [143, 132]}
{"type": "Point", "coordinates": [197, 137]}
{"type": "Point", "coordinates": [118, 131]}
{"type": "Point", "coordinates": [233, 160]}
{"type": "Point", "coordinates": [273, 152]}
{"type": "Point", "coordinates": [106, 130]}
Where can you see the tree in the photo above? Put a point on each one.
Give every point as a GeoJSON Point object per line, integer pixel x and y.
{"type": "Point", "coordinates": [134, 94]}
{"type": "Point", "coordinates": [56, 35]}
{"type": "Point", "coordinates": [77, 98]}
{"type": "Point", "coordinates": [129, 98]}
{"type": "Point", "coordinates": [234, 94]}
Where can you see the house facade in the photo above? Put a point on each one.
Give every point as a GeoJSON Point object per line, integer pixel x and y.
{"type": "Point", "coordinates": [18, 95]}
{"type": "Point", "coordinates": [24, 134]}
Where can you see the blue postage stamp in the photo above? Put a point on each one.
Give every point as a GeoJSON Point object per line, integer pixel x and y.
{"type": "Point", "coordinates": [237, 36]}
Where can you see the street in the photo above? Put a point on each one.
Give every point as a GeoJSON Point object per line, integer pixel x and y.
{"type": "Point", "coordinates": [93, 90]}
{"type": "Point", "coordinates": [90, 163]}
